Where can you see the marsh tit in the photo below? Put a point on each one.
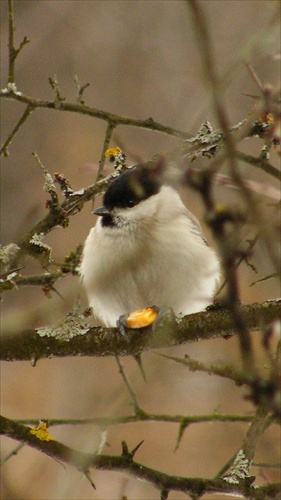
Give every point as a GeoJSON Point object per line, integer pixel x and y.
{"type": "Point", "coordinates": [146, 248]}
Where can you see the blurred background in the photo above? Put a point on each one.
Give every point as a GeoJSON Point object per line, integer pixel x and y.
{"type": "Point", "coordinates": [140, 59]}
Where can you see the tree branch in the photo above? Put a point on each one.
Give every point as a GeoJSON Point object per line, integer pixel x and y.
{"type": "Point", "coordinates": [261, 163]}
{"type": "Point", "coordinates": [99, 341]}
{"type": "Point", "coordinates": [142, 417]}
{"type": "Point", "coordinates": [73, 204]}
{"type": "Point", "coordinates": [108, 134]}
{"type": "Point", "coordinates": [22, 120]}
{"type": "Point", "coordinates": [13, 52]}
{"type": "Point", "coordinates": [115, 120]}
{"type": "Point", "coordinates": [125, 463]}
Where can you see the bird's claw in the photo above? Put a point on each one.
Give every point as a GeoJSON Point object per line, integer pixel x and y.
{"type": "Point", "coordinates": [137, 319]}
{"type": "Point", "coordinates": [122, 325]}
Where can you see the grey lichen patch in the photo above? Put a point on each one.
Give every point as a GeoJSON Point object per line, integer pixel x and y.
{"type": "Point", "coordinates": [179, 318]}
{"type": "Point", "coordinates": [49, 185]}
{"type": "Point", "coordinates": [210, 139]}
{"type": "Point", "coordinates": [8, 252]}
{"type": "Point", "coordinates": [239, 469]}
{"type": "Point", "coordinates": [71, 326]}
{"type": "Point", "coordinates": [41, 248]}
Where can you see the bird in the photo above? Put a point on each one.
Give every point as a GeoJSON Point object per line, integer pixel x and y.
{"type": "Point", "coordinates": [146, 249]}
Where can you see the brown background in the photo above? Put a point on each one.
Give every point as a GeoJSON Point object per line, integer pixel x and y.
{"type": "Point", "coordinates": [141, 60]}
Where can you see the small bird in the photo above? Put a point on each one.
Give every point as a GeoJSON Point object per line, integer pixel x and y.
{"type": "Point", "coordinates": [146, 248]}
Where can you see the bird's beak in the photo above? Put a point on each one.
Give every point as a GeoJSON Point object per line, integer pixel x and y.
{"type": "Point", "coordinates": [101, 211]}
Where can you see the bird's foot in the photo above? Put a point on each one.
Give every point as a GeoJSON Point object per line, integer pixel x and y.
{"type": "Point", "coordinates": [137, 319]}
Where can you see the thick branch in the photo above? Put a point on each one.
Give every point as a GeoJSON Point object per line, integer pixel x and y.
{"type": "Point", "coordinates": [125, 463]}
{"type": "Point", "coordinates": [99, 341]}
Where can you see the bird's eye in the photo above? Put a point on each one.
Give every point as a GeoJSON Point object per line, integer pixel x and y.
{"type": "Point", "coordinates": [131, 203]}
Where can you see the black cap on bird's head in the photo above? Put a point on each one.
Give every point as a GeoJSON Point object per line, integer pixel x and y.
{"type": "Point", "coordinates": [132, 187]}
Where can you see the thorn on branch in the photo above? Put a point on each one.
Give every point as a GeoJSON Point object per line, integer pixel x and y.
{"type": "Point", "coordinates": [88, 476]}
{"type": "Point", "coordinates": [129, 455]}
{"type": "Point", "coordinates": [164, 494]}
{"type": "Point", "coordinates": [33, 360]}
{"type": "Point", "coordinates": [183, 425]}
{"type": "Point", "coordinates": [150, 121]}
{"type": "Point", "coordinates": [133, 452]}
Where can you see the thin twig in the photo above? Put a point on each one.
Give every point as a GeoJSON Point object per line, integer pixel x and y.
{"type": "Point", "coordinates": [254, 76]}
{"type": "Point", "coordinates": [12, 453]}
{"type": "Point", "coordinates": [222, 370]}
{"type": "Point", "coordinates": [226, 466]}
{"type": "Point", "coordinates": [144, 417]}
{"type": "Point", "coordinates": [13, 52]}
{"type": "Point", "coordinates": [261, 163]}
{"type": "Point", "coordinates": [4, 148]}
{"type": "Point", "coordinates": [149, 123]}
{"type": "Point", "coordinates": [80, 89]}
{"type": "Point", "coordinates": [242, 258]}
{"type": "Point", "coordinates": [47, 278]}
{"type": "Point", "coordinates": [108, 134]}
{"type": "Point", "coordinates": [136, 406]}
